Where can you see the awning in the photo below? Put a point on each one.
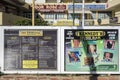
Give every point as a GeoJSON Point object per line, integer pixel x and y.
{"type": "Point", "coordinates": [56, 10]}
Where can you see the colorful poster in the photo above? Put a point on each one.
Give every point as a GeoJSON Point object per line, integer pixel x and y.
{"type": "Point", "coordinates": [89, 50]}
{"type": "Point", "coordinates": [34, 49]}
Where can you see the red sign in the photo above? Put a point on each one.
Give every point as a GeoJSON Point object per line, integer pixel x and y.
{"type": "Point", "coordinates": [50, 8]}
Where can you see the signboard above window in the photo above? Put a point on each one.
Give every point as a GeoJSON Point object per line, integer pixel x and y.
{"type": "Point", "coordinates": [50, 8]}
{"type": "Point", "coordinates": [87, 6]}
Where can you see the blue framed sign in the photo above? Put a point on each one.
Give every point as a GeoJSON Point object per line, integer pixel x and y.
{"type": "Point", "coordinates": [87, 6]}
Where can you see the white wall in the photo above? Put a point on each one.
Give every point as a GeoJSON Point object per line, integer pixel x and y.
{"type": "Point", "coordinates": [36, 1]}
{"type": "Point", "coordinates": [1, 48]}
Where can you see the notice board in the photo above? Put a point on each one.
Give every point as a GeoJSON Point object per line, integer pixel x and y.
{"type": "Point", "coordinates": [30, 49]}
{"type": "Point", "coordinates": [60, 50]}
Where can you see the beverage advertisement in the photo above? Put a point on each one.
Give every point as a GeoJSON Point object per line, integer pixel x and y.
{"type": "Point", "coordinates": [30, 49]}
{"type": "Point", "coordinates": [91, 50]}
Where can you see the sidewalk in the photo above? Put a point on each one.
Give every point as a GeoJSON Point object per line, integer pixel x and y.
{"type": "Point", "coordinates": [59, 77]}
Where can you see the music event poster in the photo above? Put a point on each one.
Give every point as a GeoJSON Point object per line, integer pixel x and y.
{"type": "Point", "coordinates": [30, 49]}
{"type": "Point", "coordinates": [91, 50]}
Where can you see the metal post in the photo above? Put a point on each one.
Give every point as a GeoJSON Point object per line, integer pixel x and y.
{"type": "Point", "coordinates": [73, 13]}
{"type": "Point", "coordinates": [83, 14]}
{"type": "Point", "coordinates": [33, 12]}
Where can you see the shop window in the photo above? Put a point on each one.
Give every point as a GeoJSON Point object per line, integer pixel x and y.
{"type": "Point", "coordinates": [49, 16]}
{"type": "Point", "coordinates": [51, 1]}
{"type": "Point", "coordinates": [78, 1]}
{"type": "Point", "coordinates": [85, 16]}
{"type": "Point", "coordinates": [36, 15]}
{"type": "Point", "coordinates": [59, 16]}
{"type": "Point", "coordinates": [104, 15]}
{"type": "Point", "coordinates": [27, 15]}
{"type": "Point", "coordinates": [66, 1]}
{"type": "Point", "coordinates": [76, 16]}
{"type": "Point", "coordinates": [54, 16]}
{"type": "Point", "coordinates": [93, 15]}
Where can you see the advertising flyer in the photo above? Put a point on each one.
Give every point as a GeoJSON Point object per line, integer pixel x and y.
{"type": "Point", "coordinates": [32, 49]}
{"type": "Point", "coordinates": [91, 50]}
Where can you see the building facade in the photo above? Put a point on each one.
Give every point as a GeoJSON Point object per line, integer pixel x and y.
{"type": "Point", "coordinates": [64, 12]}
{"type": "Point", "coordinates": [114, 5]}
{"type": "Point", "coordinates": [12, 11]}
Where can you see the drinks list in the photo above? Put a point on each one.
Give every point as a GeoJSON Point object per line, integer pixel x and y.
{"type": "Point", "coordinates": [30, 49]}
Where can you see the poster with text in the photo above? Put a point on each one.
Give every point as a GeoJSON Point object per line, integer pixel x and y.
{"type": "Point", "coordinates": [30, 49]}
{"type": "Point", "coordinates": [89, 50]}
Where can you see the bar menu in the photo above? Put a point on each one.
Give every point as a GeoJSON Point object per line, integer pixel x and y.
{"type": "Point", "coordinates": [30, 49]}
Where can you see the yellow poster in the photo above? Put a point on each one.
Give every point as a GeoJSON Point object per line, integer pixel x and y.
{"type": "Point", "coordinates": [30, 33]}
{"type": "Point", "coordinates": [30, 64]}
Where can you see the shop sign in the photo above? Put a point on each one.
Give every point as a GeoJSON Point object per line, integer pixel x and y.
{"type": "Point", "coordinates": [50, 8]}
{"type": "Point", "coordinates": [87, 6]}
